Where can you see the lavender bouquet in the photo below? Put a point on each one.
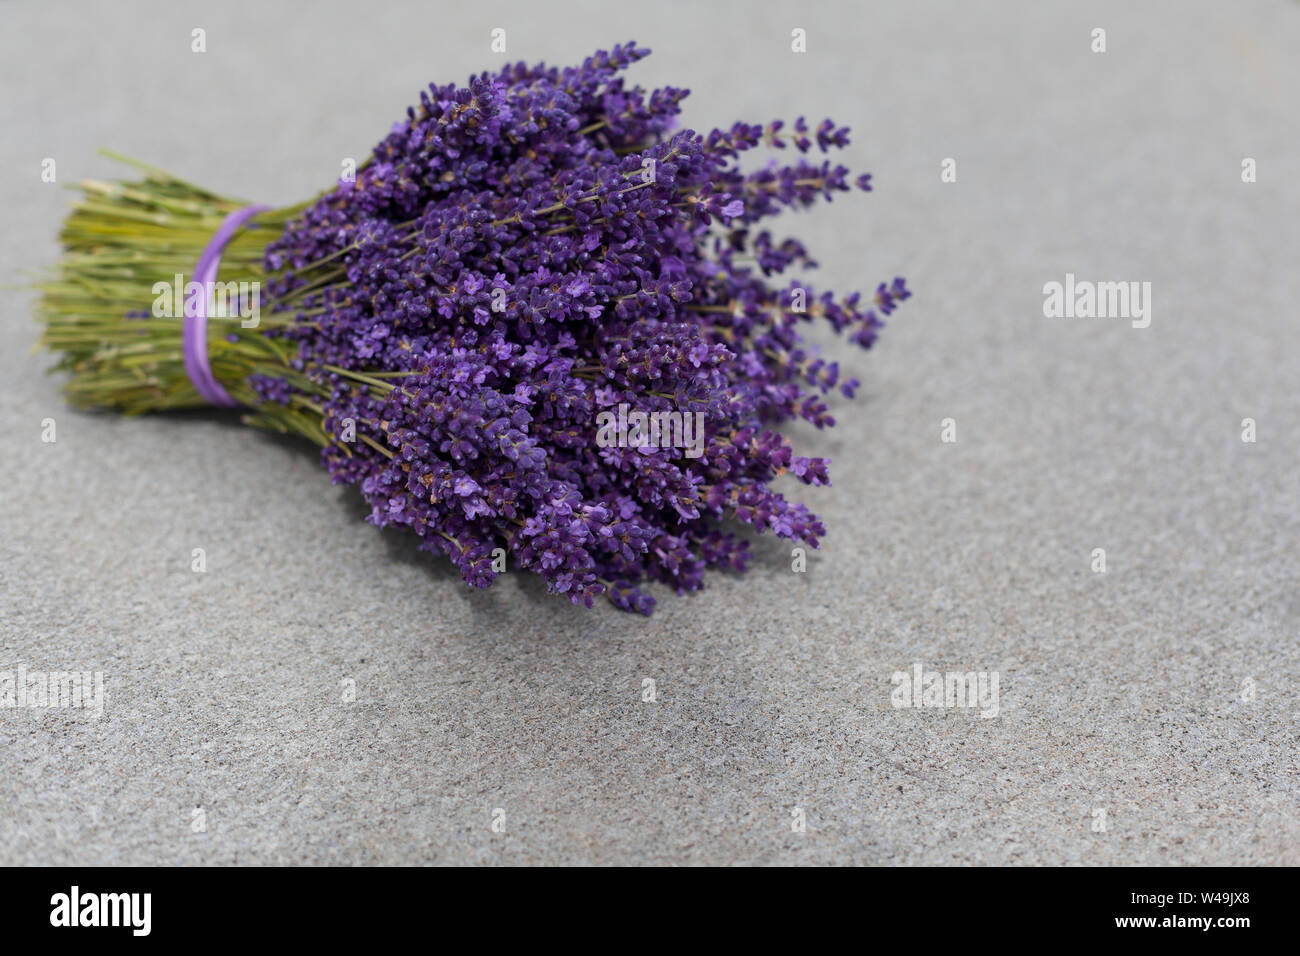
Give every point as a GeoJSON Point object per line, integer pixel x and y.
{"type": "Point", "coordinates": [538, 326]}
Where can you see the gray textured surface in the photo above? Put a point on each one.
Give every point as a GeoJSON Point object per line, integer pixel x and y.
{"type": "Point", "coordinates": [1121, 691]}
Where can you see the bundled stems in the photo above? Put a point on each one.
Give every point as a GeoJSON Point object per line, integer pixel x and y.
{"type": "Point", "coordinates": [519, 264]}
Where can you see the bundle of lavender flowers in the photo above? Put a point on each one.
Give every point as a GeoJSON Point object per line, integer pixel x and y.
{"type": "Point", "coordinates": [539, 326]}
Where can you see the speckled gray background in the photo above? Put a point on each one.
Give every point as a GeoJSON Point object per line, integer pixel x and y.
{"type": "Point", "coordinates": [1123, 692]}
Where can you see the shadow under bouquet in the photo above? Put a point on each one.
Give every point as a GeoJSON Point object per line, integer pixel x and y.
{"type": "Point", "coordinates": [539, 326]}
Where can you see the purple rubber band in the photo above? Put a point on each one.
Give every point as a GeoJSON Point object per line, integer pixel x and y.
{"type": "Point", "coordinates": [194, 330]}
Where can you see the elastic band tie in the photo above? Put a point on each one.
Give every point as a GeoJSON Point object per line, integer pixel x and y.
{"type": "Point", "coordinates": [194, 330]}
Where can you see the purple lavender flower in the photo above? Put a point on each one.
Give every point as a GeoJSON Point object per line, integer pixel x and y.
{"type": "Point", "coordinates": [538, 247]}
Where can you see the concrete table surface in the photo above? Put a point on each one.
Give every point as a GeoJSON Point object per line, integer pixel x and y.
{"type": "Point", "coordinates": [1147, 714]}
